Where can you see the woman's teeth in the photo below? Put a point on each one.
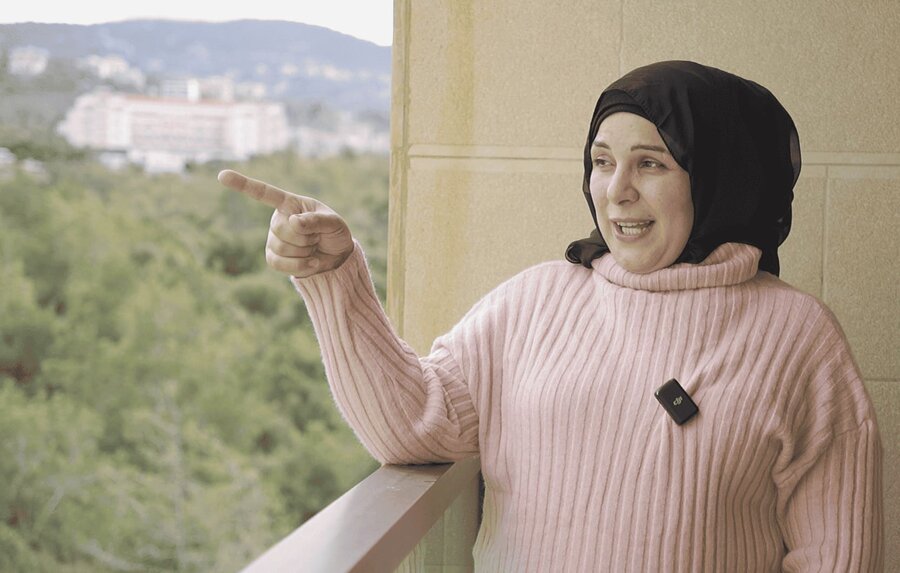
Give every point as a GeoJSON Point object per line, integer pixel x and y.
{"type": "Point", "coordinates": [633, 229]}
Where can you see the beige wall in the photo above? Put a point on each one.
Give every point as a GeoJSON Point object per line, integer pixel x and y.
{"type": "Point", "coordinates": [491, 105]}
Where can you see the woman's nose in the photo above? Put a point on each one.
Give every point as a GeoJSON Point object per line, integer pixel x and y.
{"type": "Point", "coordinates": [621, 187]}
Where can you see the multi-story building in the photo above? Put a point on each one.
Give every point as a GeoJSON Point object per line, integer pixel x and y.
{"type": "Point", "coordinates": [114, 68]}
{"type": "Point", "coordinates": [28, 61]}
{"type": "Point", "coordinates": [162, 134]}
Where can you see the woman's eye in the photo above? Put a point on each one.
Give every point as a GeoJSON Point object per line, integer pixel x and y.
{"type": "Point", "coordinates": [651, 163]}
{"type": "Point", "coordinates": [600, 162]}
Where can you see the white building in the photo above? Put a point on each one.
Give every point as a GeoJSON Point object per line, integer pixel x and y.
{"type": "Point", "coordinates": [162, 134]}
{"type": "Point", "coordinates": [7, 157]}
{"type": "Point", "coordinates": [217, 87]}
{"type": "Point", "coordinates": [251, 90]}
{"type": "Point", "coordinates": [345, 134]}
{"type": "Point", "coordinates": [28, 61]}
{"type": "Point", "coordinates": [115, 68]}
{"type": "Point", "coordinates": [184, 88]}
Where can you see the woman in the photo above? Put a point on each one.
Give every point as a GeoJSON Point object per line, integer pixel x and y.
{"type": "Point", "coordinates": [552, 376]}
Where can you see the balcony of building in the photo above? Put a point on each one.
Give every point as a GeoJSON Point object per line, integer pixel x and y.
{"type": "Point", "coordinates": [490, 105]}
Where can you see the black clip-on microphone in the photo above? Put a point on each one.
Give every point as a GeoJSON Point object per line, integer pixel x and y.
{"type": "Point", "coordinates": [676, 401]}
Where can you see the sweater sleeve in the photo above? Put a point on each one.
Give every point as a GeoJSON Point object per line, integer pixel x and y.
{"type": "Point", "coordinates": [829, 474]}
{"type": "Point", "coordinates": [404, 409]}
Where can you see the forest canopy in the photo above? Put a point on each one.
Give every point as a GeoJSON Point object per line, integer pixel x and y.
{"type": "Point", "coordinates": [163, 405]}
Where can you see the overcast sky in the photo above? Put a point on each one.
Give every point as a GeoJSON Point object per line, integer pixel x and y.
{"type": "Point", "coordinates": [367, 19]}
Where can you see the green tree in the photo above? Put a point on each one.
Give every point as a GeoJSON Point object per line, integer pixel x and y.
{"type": "Point", "coordinates": [163, 404]}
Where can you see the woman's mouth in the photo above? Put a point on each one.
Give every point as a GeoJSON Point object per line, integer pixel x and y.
{"type": "Point", "coordinates": [633, 229]}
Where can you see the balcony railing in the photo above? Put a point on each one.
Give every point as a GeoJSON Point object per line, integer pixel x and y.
{"type": "Point", "coordinates": [378, 525]}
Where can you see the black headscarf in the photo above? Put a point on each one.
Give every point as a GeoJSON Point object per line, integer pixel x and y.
{"type": "Point", "coordinates": [731, 135]}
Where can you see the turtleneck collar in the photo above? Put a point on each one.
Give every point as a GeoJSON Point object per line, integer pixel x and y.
{"type": "Point", "coordinates": [729, 264]}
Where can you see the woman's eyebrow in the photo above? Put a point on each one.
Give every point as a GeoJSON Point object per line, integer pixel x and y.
{"type": "Point", "coordinates": [657, 148]}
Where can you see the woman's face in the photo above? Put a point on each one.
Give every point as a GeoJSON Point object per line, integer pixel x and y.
{"type": "Point", "coordinates": [641, 195]}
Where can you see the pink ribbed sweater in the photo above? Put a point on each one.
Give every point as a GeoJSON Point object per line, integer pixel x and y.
{"type": "Point", "coordinates": [550, 377]}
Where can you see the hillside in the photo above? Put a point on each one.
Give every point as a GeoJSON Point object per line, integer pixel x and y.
{"type": "Point", "coordinates": [297, 62]}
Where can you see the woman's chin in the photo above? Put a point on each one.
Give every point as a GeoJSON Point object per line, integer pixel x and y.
{"type": "Point", "coordinates": [639, 264]}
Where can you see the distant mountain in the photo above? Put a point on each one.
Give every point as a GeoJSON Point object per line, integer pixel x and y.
{"type": "Point", "coordinates": [297, 62]}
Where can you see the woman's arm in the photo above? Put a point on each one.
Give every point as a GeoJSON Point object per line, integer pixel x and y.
{"type": "Point", "coordinates": [403, 408]}
{"type": "Point", "coordinates": [832, 519]}
{"type": "Point", "coordinates": [829, 475]}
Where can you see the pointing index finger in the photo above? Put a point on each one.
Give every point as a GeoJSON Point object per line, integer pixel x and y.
{"type": "Point", "coordinates": [256, 189]}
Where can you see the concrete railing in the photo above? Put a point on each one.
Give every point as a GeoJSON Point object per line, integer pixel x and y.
{"type": "Point", "coordinates": [377, 526]}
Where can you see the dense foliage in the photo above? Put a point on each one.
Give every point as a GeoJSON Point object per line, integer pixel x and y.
{"type": "Point", "coordinates": [163, 405]}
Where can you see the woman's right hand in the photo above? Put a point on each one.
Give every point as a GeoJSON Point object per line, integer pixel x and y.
{"type": "Point", "coordinates": [306, 237]}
